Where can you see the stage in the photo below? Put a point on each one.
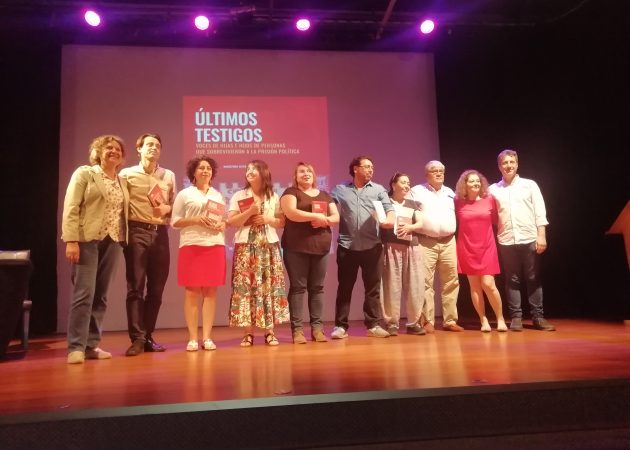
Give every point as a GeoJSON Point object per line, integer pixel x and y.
{"type": "Point", "coordinates": [441, 387]}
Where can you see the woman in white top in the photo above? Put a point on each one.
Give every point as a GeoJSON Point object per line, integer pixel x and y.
{"type": "Point", "coordinates": [258, 290]}
{"type": "Point", "coordinates": [403, 274]}
{"type": "Point", "coordinates": [198, 212]}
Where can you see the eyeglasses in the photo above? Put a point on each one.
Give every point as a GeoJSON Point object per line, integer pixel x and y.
{"type": "Point", "coordinates": [436, 171]}
{"type": "Point", "coordinates": [368, 167]}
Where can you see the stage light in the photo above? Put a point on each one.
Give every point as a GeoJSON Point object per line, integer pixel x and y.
{"type": "Point", "coordinates": [202, 22]}
{"type": "Point", "coordinates": [427, 26]}
{"type": "Point", "coordinates": [92, 18]}
{"type": "Point", "coordinates": [303, 24]}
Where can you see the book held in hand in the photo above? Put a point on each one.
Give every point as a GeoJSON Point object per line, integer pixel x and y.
{"type": "Point", "coordinates": [156, 197]}
{"type": "Point", "coordinates": [318, 206]}
{"type": "Point", "coordinates": [245, 203]}
{"type": "Point", "coordinates": [399, 221]}
{"type": "Point", "coordinates": [215, 210]}
{"type": "Point", "coordinates": [404, 215]}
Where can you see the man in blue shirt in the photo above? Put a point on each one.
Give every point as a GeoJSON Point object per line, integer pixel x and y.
{"type": "Point", "coordinates": [359, 245]}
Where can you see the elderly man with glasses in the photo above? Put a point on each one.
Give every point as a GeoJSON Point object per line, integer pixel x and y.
{"type": "Point", "coordinates": [437, 240]}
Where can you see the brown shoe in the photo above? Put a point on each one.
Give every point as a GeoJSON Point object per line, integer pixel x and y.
{"type": "Point", "coordinates": [428, 327]}
{"type": "Point", "coordinates": [298, 337]}
{"type": "Point", "coordinates": [452, 327]}
{"type": "Point", "coordinates": [318, 335]}
{"type": "Point", "coordinates": [135, 349]}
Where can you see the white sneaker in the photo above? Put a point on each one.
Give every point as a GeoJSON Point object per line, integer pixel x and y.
{"type": "Point", "coordinates": [501, 326]}
{"type": "Point", "coordinates": [339, 333]}
{"type": "Point", "coordinates": [485, 325]}
{"type": "Point", "coordinates": [97, 353]}
{"type": "Point", "coordinates": [378, 332]}
{"type": "Point", "coordinates": [76, 357]}
{"type": "Point", "coordinates": [209, 345]}
{"type": "Point", "coordinates": [192, 346]}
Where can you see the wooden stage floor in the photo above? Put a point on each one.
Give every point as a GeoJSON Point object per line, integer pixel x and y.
{"type": "Point", "coordinates": [41, 382]}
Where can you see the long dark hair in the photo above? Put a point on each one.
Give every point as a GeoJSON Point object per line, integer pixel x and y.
{"type": "Point", "coordinates": [265, 176]}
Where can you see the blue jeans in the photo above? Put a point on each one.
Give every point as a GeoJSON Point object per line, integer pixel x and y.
{"type": "Point", "coordinates": [91, 277]}
{"type": "Point", "coordinates": [521, 265]}
{"type": "Point", "coordinates": [306, 273]}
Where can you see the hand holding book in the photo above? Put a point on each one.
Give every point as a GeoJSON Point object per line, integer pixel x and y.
{"type": "Point", "coordinates": [156, 197]}
{"type": "Point", "coordinates": [320, 208]}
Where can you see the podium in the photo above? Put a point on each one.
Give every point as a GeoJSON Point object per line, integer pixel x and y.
{"type": "Point", "coordinates": [15, 274]}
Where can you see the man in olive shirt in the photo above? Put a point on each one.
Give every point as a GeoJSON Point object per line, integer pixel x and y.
{"type": "Point", "coordinates": [147, 256]}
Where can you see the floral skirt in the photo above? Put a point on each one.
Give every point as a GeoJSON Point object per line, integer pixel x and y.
{"type": "Point", "coordinates": [258, 290]}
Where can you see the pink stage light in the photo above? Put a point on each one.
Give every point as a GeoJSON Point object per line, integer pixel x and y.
{"type": "Point", "coordinates": [92, 18]}
{"type": "Point", "coordinates": [202, 22]}
{"type": "Point", "coordinates": [427, 26]}
{"type": "Point", "coordinates": [303, 24]}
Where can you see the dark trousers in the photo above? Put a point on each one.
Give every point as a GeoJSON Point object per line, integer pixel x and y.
{"type": "Point", "coordinates": [521, 265]}
{"type": "Point", "coordinates": [147, 259]}
{"type": "Point", "coordinates": [306, 274]}
{"type": "Point", "coordinates": [348, 264]}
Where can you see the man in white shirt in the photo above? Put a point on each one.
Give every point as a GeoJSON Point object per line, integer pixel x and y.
{"type": "Point", "coordinates": [521, 236]}
{"type": "Point", "coordinates": [437, 240]}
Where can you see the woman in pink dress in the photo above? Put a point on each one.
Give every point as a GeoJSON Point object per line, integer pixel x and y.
{"type": "Point", "coordinates": [476, 212]}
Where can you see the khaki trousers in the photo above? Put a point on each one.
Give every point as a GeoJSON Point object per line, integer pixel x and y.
{"type": "Point", "coordinates": [440, 254]}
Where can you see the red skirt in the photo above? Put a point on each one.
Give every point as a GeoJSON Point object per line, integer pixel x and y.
{"type": "Point", "coordinates": [201, 266]}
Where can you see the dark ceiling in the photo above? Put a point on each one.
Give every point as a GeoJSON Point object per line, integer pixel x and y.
{"type": "Point", "coordinates": [267, 22]}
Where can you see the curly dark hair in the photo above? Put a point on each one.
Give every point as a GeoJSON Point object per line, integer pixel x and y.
{"type": "Point", "coordinates": [191, 166]}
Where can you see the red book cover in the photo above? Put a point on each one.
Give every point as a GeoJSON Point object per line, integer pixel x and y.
{"type": "Point", "coordinates": [156, 197]}
{"type": "Point", "coordinates": [244, 204]}
{"type": "Point", "coordinates": [215, 210]}
{"type": "Point", "coordinates": [318, 206]}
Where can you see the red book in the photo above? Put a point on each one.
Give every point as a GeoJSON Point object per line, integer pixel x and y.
{"type": "Point", "coordinates": [215, 210]}
{"type": "Point", "coordinates": [318, 206]}
{"type": "Point", "coordinates": [244, 204]}
{"type": "Point", "coordinates": [156, 197]}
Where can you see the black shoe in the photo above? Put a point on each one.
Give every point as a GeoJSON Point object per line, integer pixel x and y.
{"type": "Point", "coordinates": [136, 348]}
{"type": "Point", "coordinates": [516, 324]}
{"type": "Point", "coordinates": [151, 346]}
{"type": "Point", "coordinates": [540, 323]}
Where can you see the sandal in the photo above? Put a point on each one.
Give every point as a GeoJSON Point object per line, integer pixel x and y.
{"type": "Point", "coordinates": [271, 339]}
{"type": "Point", "coordinates": [248, 340]}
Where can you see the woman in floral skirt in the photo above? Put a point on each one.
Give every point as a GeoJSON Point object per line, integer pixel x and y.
{"type": "Point", "coordinates": [258, 290]}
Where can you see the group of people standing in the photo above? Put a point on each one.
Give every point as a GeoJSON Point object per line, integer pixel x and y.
{"type": "Point", "coordinates": [398, 238]}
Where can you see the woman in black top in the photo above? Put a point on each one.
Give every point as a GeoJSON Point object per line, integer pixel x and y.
{"type": "Point", "coordinates": [306, 243]}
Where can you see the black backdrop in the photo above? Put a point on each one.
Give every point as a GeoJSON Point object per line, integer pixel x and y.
{"type": "Point", "coordinates": [558, 94]}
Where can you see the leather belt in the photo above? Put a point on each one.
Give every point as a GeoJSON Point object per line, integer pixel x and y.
{"type": "Point", "coordinates": [144, 225]}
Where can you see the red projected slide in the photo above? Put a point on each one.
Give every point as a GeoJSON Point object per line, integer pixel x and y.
{"type": "Point", "coordinates": [282, 131]}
